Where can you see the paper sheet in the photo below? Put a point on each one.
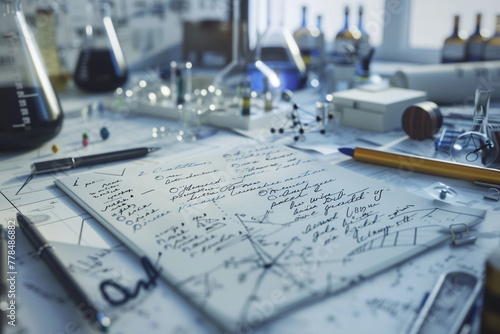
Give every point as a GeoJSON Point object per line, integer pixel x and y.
{"type": "Point", "coordinates": [248, 234]}
{"type": "Point", "coordinates": [156, 310]}
{"type": "Point", "coordinates": [382, 304]}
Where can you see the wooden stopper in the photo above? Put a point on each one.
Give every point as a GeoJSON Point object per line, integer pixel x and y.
{"type": "Point", "coordinates": [490, 318]}
{"type": "Point", "coordinates": [422, 120]}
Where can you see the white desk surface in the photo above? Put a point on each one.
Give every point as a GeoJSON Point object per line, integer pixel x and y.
{"type": "Point", "coordinates": [382, 304]}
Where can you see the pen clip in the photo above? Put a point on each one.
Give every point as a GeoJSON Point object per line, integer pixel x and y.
{"type": "Point", "coordinates": [53, 165]}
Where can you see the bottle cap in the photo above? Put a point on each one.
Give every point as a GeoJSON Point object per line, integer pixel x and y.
{"type": "Point", "coordinates": [422, 120]}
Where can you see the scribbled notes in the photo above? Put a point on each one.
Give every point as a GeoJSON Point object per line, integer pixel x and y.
{"type": "Point", "coordinates": [240, 229]}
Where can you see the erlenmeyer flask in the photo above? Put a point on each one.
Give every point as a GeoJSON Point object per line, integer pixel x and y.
{"type": "Point", "coordinates": [101, 66]}
{"type": "Point", "coordinates": [235, 74]}
{"type": "Point", "coordinates": [279, 50]}
{"type": "Point", "coordinates": [31, 112]}
{"type": "Point", "coordinates": [231, 76]}
{"type": "Point", "coordinates": [474, 146]}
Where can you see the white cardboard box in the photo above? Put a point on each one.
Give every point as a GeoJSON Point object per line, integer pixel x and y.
{"type": "Point", "coordinates": [377, 108]}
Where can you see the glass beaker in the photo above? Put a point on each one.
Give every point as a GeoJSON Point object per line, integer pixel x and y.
{"type": "Point", "coordinates": [31, 112]}
{"type": "Point", "coordinates": [474, 146]}
{"type": "Point", "coordinates": [101, 65]}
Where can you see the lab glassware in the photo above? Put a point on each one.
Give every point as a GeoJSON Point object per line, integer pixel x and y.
{"type": "Point", "coordinates": [101, 65]}
{"type": "Point", "coordinates": [180, 81]}
{"type": "Point", "coordinates": [52, 39]}
{"type": "Point", "coordinates": [31, 113]}
{"type": "Point", "coordinates": [475, 147]}
{"type": "Point", "coordinates": [231, 78]}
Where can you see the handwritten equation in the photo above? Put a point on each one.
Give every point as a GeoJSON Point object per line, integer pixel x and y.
{"type": "Point", "coordinates": [249, 234]}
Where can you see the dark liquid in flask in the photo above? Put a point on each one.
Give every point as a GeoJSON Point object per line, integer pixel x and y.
{"type": "Point", "coordinates": [28, 118]}
{"type": "Point", "coordinates": [98, 70]}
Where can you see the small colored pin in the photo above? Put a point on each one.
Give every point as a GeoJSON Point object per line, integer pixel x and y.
{"type": "Point", "coordinates": [55, 148]}
{"type": "Point", "coordinates": [85, 140]}
{"type": "Point", "coordinates": [104, 133]}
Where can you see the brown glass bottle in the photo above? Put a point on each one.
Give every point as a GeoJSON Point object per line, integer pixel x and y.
{"type": "Point", "coordinates": [492, 47]}
{"type": "Point", "coordinates": [347, 38]}
{"type": "Point", "coordinates": [475, 43]}
{"type": "Point", "coordinates": [454, 45]}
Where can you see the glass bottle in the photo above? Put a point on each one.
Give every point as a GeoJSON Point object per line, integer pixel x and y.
{"type": "Point", "coordinates": [48, 21]}
{"type": "Point", "coordinates": [346, 40]}
{"type": "Point", "coordinates": [31, 113]}
{"type": "Point", "coordinates": [363, 43]}
{"type": "Point", "coordinates": [316, 66]}
{"type": "Point", "coordinates": [475, 43]}
{"type": "Point", "coordinates": [454, 45]}
{"type": "Point", "coordinates": [304, 38]}
{"type": "Point", "coordinates": [319, 35]}
{"type": "Point", "coordinates": [101, 66]}
{"type": "Point", "coordinates": [311, 45]}
{"type": "Point", "coordinates": [492, 46]}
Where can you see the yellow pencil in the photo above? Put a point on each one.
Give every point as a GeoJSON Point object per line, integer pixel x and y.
{"type": "Point", "coordinates": [425, 165]}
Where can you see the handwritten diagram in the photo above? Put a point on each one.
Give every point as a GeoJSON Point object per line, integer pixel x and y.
{"type": "Point", "coordinates": [249, 234]}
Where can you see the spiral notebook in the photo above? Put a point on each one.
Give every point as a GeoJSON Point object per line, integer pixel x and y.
{"type": "Point", "coordinates": [249, 234]}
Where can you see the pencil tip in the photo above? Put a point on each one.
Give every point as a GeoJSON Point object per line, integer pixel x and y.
{"type": "Point", "coordinates": [152, 149]}
{"type": "Point", "coordinates": [347, 151]}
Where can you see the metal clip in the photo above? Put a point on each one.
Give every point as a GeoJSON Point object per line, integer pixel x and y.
{"type": "Point", "coordinates": [457, 239]}
{"type": "Point", "coordinates": [493, 194]}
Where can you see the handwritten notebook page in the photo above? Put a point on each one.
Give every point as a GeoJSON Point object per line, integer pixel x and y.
{"type": "Point", "coordinates": [248, 234]}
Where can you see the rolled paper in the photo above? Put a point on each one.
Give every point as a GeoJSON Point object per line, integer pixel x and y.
{"type": "Point", "coordinates": [450, 83]}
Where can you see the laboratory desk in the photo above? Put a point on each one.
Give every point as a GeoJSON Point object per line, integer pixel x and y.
{"type": "Point", "coordinates": [388, 302]}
